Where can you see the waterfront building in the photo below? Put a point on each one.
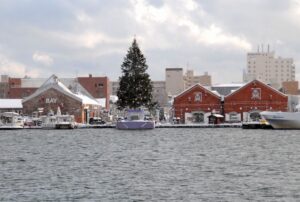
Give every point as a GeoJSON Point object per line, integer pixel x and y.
{"type": "Point", "coordinates": [18, 88]}
{"type": "Point", "coordinates": [98, 87]}
{"type": "Point", "coordinates": [245, 103]}
{"type": "Point", "coordinates": [174, 81]}
{"type": "Point", "coordinates": [11, 105]}
{"type": "Point", "coordinates": [53, 94]}
{"type": "Point", "coordinates": [196, 104]}
{"type": "Point", "coordinates": [269, 69]}
{"type": "Point", "coordinates": [190, 79]}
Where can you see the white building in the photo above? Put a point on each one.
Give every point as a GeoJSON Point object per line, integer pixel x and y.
{"type": "Point", "coordinates": [269, 69]}
{"type": "Point", "coordinates": [174, 81]}
{"type": "Point", "coordinates": [159, 93]}
{"type": "Point", "coordinates": [11, 105]}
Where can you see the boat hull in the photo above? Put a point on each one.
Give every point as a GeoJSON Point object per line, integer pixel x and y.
{"type": "Point", "coordinates": [282, 120]}
{"type": "Point", "coordinates": [11, 127]}
{"type": "Point", "coordinates": [135, 125]}
{"type": "Point", "coordinates": [64, 126]}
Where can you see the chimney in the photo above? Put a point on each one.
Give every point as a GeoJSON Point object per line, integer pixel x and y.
{"type": "Point", "coordinates": [90, 75]}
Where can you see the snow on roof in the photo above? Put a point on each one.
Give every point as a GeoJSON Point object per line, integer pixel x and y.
{"type": "Point", "coordinates": [254, 81]}
{"type": "Point", "coordinates": [230, 85]}
{"type": "Point", "coordinates": [101, 102]}
{"type": "Point", "coordinates": [199, 85]}
{"type": "Point", "coordinates": [87, 100]}
{"type": "Point", "coordinates": [216, 92]}
{"type": "Point", "coordinates": [113, 98]}
{"type": "Point", "coordinates": [11, 104]}
{"type": "Point", "coordinates": [54, 82]}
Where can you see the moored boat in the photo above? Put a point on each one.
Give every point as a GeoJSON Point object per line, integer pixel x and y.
{"type": "Point", "coordinates": [11, 121]}
{"type": "Point", "coordinates": [65, 122]}
{"type": "Point", "coordinates": [58, 122]}
{"type": "Point", "coordinates": [282, 120]}
{"type": "Point", "coordinates": [135, 120]}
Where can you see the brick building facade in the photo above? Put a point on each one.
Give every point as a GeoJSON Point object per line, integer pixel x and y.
{"type": "Point", "coordinates": [18, 88]}
{"type": "Point", "coordinates": [195, 104]}
{"type": "Point", "coordinates": [245, 103]}
{"type": "Point", "coordinates": [98, 87]}
{"type": "Point", "coordinates": [53, 94]}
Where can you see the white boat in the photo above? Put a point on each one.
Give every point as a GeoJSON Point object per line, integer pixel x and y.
{"type": "Point", "coordinates": [135, 120]}
{"type": "Point", "coordinates": [11, 121]}
{"type": "Point", "coordinates": [58, 122]}
{"type": "Point", "coordinates": [65, 122]}
{"type": "Point", "coordinates": [282, 120]}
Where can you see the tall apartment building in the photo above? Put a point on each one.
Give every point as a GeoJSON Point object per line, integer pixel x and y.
{"type": "Point", "coordinates": [190, 79]}
{"type": "Point", "coordinates": [174, 81]}
{"type": "Point", "coordinates": [269, 69]}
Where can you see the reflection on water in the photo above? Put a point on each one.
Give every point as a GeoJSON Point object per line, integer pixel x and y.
{"type": "Point", "coordinates": [160, 164]}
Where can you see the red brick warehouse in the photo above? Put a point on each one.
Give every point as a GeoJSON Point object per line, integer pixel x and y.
{"type": "Point", "coordinates": [245, 103]}
{"type": "Point", "coordinates": [195, 104]}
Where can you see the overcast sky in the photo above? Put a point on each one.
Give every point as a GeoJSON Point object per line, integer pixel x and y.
{"type": "Point", "coordinates": [78, 37]}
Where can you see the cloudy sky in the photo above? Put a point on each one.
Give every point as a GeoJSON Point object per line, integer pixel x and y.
{"type": "Point", "coordinates": [78, 37]}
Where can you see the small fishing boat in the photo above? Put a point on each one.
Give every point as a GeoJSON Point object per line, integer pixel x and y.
{"type": "Point", "coordinates": [11, 121]}
{"type": "Point", "coordinates": [58, 121]}
{"type": "Point", "coordinates": [135, 120]}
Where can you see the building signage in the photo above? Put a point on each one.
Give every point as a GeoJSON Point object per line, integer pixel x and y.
{"type": "Point", "coordinates": [51, 100]}
{"type": "Point", "coordinates": [256, 94]}
{"type": "Point", "coordinates": [198, 97]}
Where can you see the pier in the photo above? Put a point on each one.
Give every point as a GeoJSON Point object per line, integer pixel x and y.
{"type": "Point", "coordinates": [199, 126]}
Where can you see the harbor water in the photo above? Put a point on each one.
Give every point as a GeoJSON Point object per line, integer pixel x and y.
{"type": "Point", "coordinates": [224, 164]}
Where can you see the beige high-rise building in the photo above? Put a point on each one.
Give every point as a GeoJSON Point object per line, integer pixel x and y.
{"type": "Point", "coordinates": [174, 81]}
{"type": "Point", "coordinates": [290, 87]}
{"type": "Point", "coordinates": [267, 68]}
{"type": "Point", "coordinates": [190, 79]}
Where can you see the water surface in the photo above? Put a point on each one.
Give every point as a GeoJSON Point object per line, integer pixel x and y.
{"type": "Point", "coordinates": [161, 164]}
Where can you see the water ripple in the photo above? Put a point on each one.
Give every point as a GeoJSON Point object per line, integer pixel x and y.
{"type": "Point", "coordinates": [155, 165]}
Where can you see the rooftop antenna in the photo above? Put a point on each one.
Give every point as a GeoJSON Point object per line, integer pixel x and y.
{"type": "Point", "coordinates": [268, 48]}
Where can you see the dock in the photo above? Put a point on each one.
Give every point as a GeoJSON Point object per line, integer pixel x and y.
{"type": "Point", "coordinates": [238, 125]}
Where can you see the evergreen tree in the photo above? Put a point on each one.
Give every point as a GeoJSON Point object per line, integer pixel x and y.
{"type": "Point", "coordinates": [135, 87]}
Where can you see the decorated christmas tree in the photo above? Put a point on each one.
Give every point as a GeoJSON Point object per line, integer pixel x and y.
{"type": "Point", "coordinates": [135, 87]}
